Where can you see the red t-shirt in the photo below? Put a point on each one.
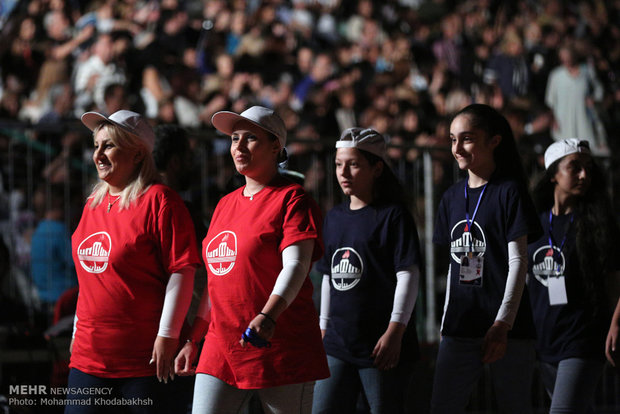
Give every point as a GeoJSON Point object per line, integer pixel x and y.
{"type": "Point", "coordinates": [243, 256]}
{"type": "Point", "coordinates": [123, 261]}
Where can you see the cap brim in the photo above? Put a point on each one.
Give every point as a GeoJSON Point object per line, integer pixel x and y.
{"type": "Point", "coordinates": [225, 121]}
{"type": "Point", "coordinates": [92, 119]}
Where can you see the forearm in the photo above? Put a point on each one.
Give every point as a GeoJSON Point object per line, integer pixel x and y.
{"type": "Point", "coordinates": [274, 307]}
{"type": "Point", "coordinates": [176, 302]}
{"type": "Point", "coordinates": [325, 302]}
{"type": "Point", "coordinates": [615, 319]}
{"type": "Point", "coordinates": [515, 281]}
{"type": "Point", "coordinates": [296, 261]}
{"type": "Point", "coordinates": [203, 318]}
{"type": "Point", "coordinates": [405, 294]}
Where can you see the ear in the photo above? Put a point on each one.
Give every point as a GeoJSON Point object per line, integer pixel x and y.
{"type": "Point", "coordinates": [495, 140]}
{"type": "Point", "coordinates": [138, 157]}
{"type": "Point", "coordinates": [276, 147]}
{"type": "Point", "coordinates": [379, 169]}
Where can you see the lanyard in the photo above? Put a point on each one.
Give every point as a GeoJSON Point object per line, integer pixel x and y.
{"type": "Point", "coordinates": [473, 217]}
{"type": "Point", "coordinates": [552, 241]}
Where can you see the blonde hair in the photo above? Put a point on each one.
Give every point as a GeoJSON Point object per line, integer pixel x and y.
{"type": "Point", "coordinates": [145, 173]}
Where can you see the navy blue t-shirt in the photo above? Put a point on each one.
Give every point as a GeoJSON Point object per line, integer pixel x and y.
{"type": "Point", "coordinates": [363, 251]}
{"type": "Point", "coordinates": [503, 216]}
{"type": "Point", "coordinates": [573, 329]}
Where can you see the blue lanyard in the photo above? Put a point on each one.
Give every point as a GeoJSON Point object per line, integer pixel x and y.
{"type": "Point", "coordinates": [556, 254]}
{"type": "Point", "coordinates": [473, 218]}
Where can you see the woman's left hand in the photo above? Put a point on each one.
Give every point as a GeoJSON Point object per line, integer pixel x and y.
{"type": "Point", "coordinates": [495, 342]}
{"type": "Point", "coordinates": [164, 351]}
{"type": "Point", "coordinates": [387, 351]}
{"type": "Point", "coordinates": [263, 327]}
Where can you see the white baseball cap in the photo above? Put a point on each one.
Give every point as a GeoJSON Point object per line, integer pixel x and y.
{"type": "Point", "coordinates": [264, 118]}
{"type": "Point", "coordinates": [565, 147]}
{"type": "Point", "coordinates": [129, 121]}
{"type": "Point", "coordinates": [364, 139]}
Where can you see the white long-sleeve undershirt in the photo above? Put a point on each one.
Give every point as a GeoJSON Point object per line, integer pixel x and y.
{"type": "Point", "coordinates": [176, 302]}
{"type": "Point", "coordinates": [296, 260]}
{"type": "Point", "coordinates": [515, 281]}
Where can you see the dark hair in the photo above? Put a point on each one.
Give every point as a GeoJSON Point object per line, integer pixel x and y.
{"type": "Point", "coordinates": [508, 162]}
{"type": "Point", "coordinates": [596, 229]}
{"type": "Point", "coordinates": [386, 189]}
{"type": "Point", "coordinates": [170, 140]}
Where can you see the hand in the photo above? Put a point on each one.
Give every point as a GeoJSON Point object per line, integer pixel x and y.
{"type": "Point", "coordinates": [184, 362]}
{"type": "Point", "coordinates": [495, 342]}
{"type": "Point", "coordinates": [612, 342]}
{"type": "Point", "coordinates": [163, 356]}
{"type": "Point", "coordinates": [387, 350]}
{"type": "Point", "coordinates": [323, 333]}
{"type": "Point", "coordinates": [263, 327]}
{"type": "Point", "coordinates": [71, 346]}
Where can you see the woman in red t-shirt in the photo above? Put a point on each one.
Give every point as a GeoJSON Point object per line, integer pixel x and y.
{"type": "Point", "coordinates": [135, 256]}
{"type": "Point", "coordinates": [263, 336]}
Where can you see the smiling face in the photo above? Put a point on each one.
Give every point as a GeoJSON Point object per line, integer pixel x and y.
{"type": "Point", "coordinates": [115, 165]}
{"type": "Point", "coordinates": [573, 176]}
{"type": "Point", "coordinates": [472, 147]}
{"type": "Point", "coordinates": [253, 151]}
{"type": "Point", "coordinates": [355, 174]}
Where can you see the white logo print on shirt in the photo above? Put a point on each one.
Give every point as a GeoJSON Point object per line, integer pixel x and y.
{"type": "Point", "coordinates": [544, 264]}
{"type": "Point", "coordinates": [221, 253]}
{"type": "Point", "coordinates": [347, 268]}
{"type": "Point", "coordinates": [472, 240]}
{"type": "Point", "coordinates": [94, 252]}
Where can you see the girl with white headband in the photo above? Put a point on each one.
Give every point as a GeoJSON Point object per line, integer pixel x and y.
{"type": "Point", "coordinates": [370, 283]}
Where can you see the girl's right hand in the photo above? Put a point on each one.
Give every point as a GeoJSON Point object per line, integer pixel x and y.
{"type": "Point", "coordinates": [184, 362]}
{"type": "Point", "coordinates": [611, 344]}
{"type": "Point", "coordinates": [495, 342]}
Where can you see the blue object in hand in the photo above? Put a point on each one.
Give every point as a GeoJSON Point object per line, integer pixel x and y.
{"type": "Point", "coordinates": [252, 337]}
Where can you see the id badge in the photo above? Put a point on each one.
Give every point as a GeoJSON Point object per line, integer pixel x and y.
{"type": "Point", "coordinates": [557, 290]}
{"type": "Point", "coordinates": [470, 271]}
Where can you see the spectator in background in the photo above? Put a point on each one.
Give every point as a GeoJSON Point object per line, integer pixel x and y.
{"type": "Point", "coordinates": [23, 56]}
{"type": "Point", "coordinates": [93, 75]}
{"type": "Point", "coordinates": [174, 160]}
{"type": "Point", "coordinates": [508, 69]}
{"type": "Point", "coordinates": [573, 91]}
{"type": "Point", "coordinates": [61, 100]}
{"type": "Point", "coordinates": [320, 71]}
{"type": "Point", "coordinates": [447, 49]}
{"type": "Point", "coordinates": [114, 99]}
{"type": "Point", "coordinates": [51, 264]}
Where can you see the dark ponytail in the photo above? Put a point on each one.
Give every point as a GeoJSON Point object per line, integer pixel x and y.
{"type": "Point", "coordinates": [387, 189]}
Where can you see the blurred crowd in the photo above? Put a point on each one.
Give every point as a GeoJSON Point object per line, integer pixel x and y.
{"type": "Point", "coordinates": [401, 67]}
